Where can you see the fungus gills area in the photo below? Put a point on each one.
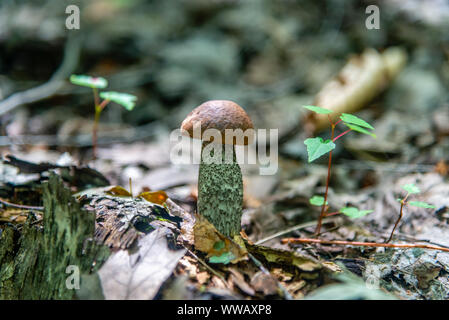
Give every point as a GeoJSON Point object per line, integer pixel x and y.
{"type": "Point", "coordinates": [220, 190]}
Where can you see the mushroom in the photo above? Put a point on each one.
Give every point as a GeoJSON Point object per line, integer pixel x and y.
{"type": "Point", "coordinates": [220, 185]}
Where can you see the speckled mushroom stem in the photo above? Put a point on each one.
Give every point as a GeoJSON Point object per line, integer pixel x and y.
{"type": "Point", "coordinates": [220, 192]}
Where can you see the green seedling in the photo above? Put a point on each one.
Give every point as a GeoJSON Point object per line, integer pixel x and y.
{"type": "Point", "coordinates": [411, 189]}
{"type": "Point", "coordinates": [126, 100]}
{"type": "Point", "coordinates": [317, 147]}
{"type": "Point", "coordinates": [350, 212]}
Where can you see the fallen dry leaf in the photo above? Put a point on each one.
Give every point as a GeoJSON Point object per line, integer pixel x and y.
{"type": "Point", "coordinates": [208, 240]}
{"type": "Point", "coordinates": [157, 197]}
{"type": "Point", "coordinates": [202, 277]}
{"type": "Point", "coordinates": [264, 283]}
{"type": "Point", "coordinates": [239, 281]}
{"type": "Point", "coordinates": [118, 191]}
{"type": "Point", "coordinates": [139, 275]}
{"type": "Point", "coordinates": [442, 168]}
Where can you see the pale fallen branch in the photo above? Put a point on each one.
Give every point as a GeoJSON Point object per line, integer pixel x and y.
{"type": "Point", "coordinates": [294, 228]}
{"type": "Point", "coordinates": [68, 65]}
{"type": "Point", "coordinates": [360, 80]}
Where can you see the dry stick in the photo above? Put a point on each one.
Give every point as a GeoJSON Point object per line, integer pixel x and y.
{"type": "Point", "coordinates": [57, 80]}
{"type": "Point", "coordinates": [405, 237]}
{"type": "Point", "coordinates": [294, 228]}
{"type": "Point", "coordinates": [20, 206]}
{"type": "Point", "coordinates": [362, 244]}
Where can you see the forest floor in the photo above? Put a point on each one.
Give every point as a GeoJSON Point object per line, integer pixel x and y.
{"type": "Point", "coordinates": [275, 79]}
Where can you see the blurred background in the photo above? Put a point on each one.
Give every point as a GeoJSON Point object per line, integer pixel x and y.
{"type": "Point", "coordinates": [271, 57]}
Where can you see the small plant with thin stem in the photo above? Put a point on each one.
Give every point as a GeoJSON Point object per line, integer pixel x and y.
{"type": "Point", "coordinates": [411, 189]}
{"type": "Point", "coordinates": [317, 147]}
{"type": "Point", "coordinates": [126, 100]}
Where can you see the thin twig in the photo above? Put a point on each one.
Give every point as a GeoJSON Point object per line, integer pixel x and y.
{"type": "Point", "coordinates": [362, 244]}
{"type": "Point", "coordinates": [20, 206]}
{"type": "Point", "coordinates": [69, 63]}
{"type": "Point", "coordinates": [405, 237]}
{"type": "Point", "coordinates": [294, 228]}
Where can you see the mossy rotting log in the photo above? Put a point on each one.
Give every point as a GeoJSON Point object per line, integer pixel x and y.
{"type": "Point", "coordinates": [220, 192]}
{"type": "Point", "coordinates": [33, 261]}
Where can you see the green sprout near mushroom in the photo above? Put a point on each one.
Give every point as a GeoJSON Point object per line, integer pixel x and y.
{"type": "Point", "coordinates": [128, 101]}
{"type": "Point", "coordinates": [351, 212]}
{"type": "Point", "coordinates": [317, 147]}
{"type": "Point", "coordinates": [411, 189]}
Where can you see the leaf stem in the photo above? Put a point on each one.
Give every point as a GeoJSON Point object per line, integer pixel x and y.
{"type": "Point", "coordinates": [94, 131]}
{"type": "Point", "coordinates": [103, 104]}
{"type": "Point", "coordinates": [400, 217]}
{"type": "Point", "coordinates": [96, 97]}
{"type": "Point", "coordinates": [362, 244]}
{"type": "Point", "coordinates": [323, 208]}
{"type": "Point", "coordinates": [341, 135]}
{"type": "Point", "coordinates": [98, 109]}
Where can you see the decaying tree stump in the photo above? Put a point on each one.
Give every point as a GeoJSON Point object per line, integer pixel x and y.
{"type": "Point", "coordinates": [34, 260]}
{"type": "Point", "coordinates": [38, 259]}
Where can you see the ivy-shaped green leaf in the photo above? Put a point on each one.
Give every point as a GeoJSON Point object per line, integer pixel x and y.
{"type": "Point", "coordinates": [225, 258]}
{"type": "Point", "coordinates": [318, 110]}
{"type": "Point", "coordinates": [316, 147]}
{"type": "Point", "coordinates": [411, 188]}
{"type": "Point", "coordinates": [360, 129]}
{"type": "Point", "coordinates": [219, 245]}
{"type": "Point", "coordinates": [350, 118]}
{"type": "Point", "coordinates": [126, 100]}
{"type": "Point", "coordinates": [317, 201]}
{"type": "Point", "coordinates": [421, 204]}
{"type": "Point", "coordinates": [88, 81]}
{"type": "Point", "coordinates": [354, 213]}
